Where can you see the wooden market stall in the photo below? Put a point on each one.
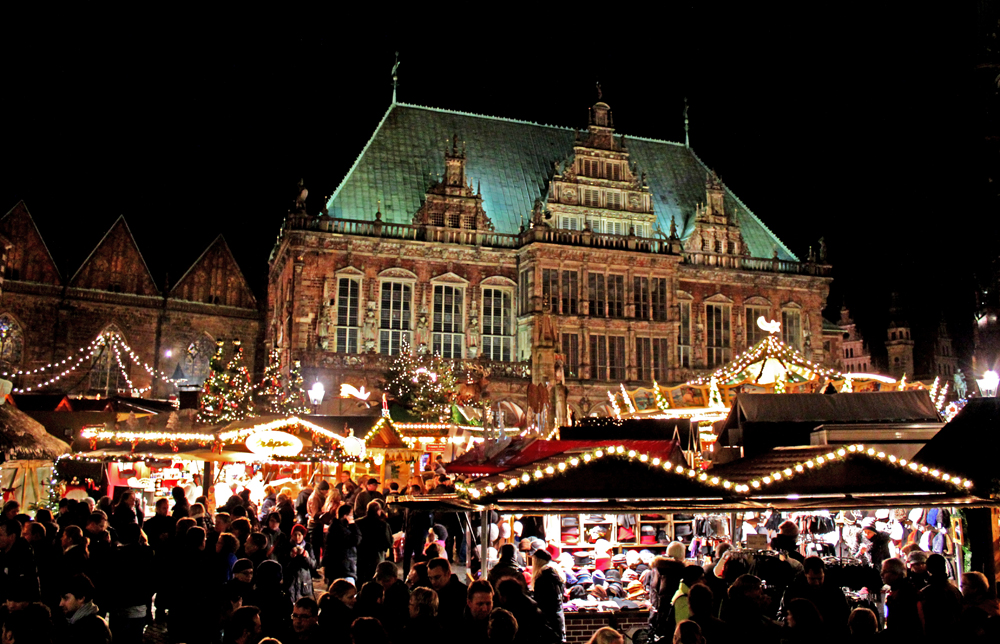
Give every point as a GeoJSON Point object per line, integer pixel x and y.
{"type": "Point", "coordinates": [28, 452]}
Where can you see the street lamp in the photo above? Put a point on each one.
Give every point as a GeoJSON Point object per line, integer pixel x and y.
{"type": "Point", "coordinates": [316, 394]}
{"type": "Point", "coordinates": [988, 384]}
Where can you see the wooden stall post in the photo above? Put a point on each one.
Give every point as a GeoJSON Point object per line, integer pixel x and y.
{"type": "Point", "coordinates": [206, 480]}
{"type": "Point", "coordinates": [484, 541]}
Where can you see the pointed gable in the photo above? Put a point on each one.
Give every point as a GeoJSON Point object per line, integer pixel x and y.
{"type": "Point", "coordinates": [215, 278]}
{"type": "Point", "coordinates": [28, 259]}
{"type": "Point", "coordinates": [116, 265]}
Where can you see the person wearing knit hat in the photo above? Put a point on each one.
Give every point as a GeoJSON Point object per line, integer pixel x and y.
{"type": "Point", "coordinates": [542, 555]}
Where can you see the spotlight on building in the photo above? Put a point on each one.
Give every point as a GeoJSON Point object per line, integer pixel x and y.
{"type": "Point", "coordinates": [988, 384]}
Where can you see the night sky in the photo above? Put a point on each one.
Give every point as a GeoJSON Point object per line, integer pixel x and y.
{"type": "Point", "coordinates": [853, 125]}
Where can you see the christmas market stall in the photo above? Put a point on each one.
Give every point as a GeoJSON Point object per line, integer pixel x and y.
{"type": "Point", "coordinates": [27, 453]}
{"type": "Point", "coordinates": [249, 453]}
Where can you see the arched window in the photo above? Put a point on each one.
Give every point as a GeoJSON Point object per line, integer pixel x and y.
{"type": "Point", "coordinates": [106, 375]}
{"type": "Point", "coordinates": [11, 342]}
{"type": "Point", "coordinates": [196, 360]}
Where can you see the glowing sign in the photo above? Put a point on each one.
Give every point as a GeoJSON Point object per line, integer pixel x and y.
{"type": "Point", "coordinates": [271, 444]}
{"type": "Point", "coordinates": [350, 391]}
{"type": "Point", "coordinates": [771, 327]}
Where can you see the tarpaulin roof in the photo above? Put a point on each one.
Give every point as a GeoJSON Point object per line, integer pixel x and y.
{"type": "Point", "coordinates": [969, 444]}
{"type": "Point", "coordinates": [524, 453]}
{"type": "Point", "coordinates": [895, 406]}
{"type": "Point", "coordinates": [760, 422]}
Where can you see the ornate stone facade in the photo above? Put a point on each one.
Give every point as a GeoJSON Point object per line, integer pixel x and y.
{"type": "Point", "coordinates": [584, 290]}
{"type": "Point", "coordinates": [44, 319]}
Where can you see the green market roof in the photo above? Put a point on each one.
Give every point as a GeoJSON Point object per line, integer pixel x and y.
{"type": "Point", "coordinates": [513, 162]}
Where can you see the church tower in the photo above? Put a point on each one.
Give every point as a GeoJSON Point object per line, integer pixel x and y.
{"type": "Point", "coordinates": [945, 361]}
{"type": "Point", "coordinates": [856, 358]}
{"type": "Point", "coordinates": [899, 342]}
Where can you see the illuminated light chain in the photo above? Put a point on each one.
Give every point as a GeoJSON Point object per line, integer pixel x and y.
{"type": "Point", "coordinates": [942, 397]}
{"type": "Point", "coordinates": [844, 452]}
{"type": "Point", "coordinates": [625, 397]}
{"type": "Point", "coordinates": [110, 339]}
{"type": "Point", "coordinates": [706, 477]}
{"type": "Point", "coordinates": [661, 400]}
{"type": "Point", "coordinates": [769, 347]}
{"type": "Point", "coordinates": [614, 406]}
{"type": "Point", "coordinates": [87, 352]}
{"type": "Point", "coordinates": [228, 437]}
{"type": "Point", "coordinates": [934, 389]}
{"type": "Point", "coordinates": [476, 491]}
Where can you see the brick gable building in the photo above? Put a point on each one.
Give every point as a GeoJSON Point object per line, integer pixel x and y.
{"type": "Point", "coordinates": [533, 255]}
{"type": "Point", "coordinates": [44, 318]}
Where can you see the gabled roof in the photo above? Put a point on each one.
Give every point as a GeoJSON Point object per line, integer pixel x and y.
{"type": "Point", "coordinates": [183, 289]}
{"type": "Point", "coordinates": [20, 228]}
{"type": "Point", "coordinates": [120, 234]}
{"type": "Point", "coordinates": [969, 444]}
{"type": "Point", "coordinates": [513, 162]}
{"type": "Point", "coordinates": [850, 476]}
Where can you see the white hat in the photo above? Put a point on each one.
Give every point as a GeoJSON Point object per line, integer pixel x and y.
{"type": "Point", "coordinates": [882, 515]}
{"type": "Point", "coordinates": [494, 532]}
{"type": "Point", "coordinates": [896, 532]}
{"type": "Point", "coordinates": [916, 514]}
{"type": "Point", "coordinates": [518, 528]}
{"type": "Point", "coordinates": [505, 530]}
{"type": "Point", "coordinates": [868, 523]}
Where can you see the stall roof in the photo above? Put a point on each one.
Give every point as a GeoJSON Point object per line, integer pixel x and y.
{"type": "Point", "coordinates": [41, 402]}
{"type": "Point", "coordinates": [759, 422]}
{"type": "Point", "coordinates": [525, 452]}
{"type": "Point", "coordinates": [841, 477]}
{"type": "Point", "coordinates": [969, 444]}
{"type": "Point", "coordinates": [628, 428]}
{"type": "Point", "coordinates": [22, 437]}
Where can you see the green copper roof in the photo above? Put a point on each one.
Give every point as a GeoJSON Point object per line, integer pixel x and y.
{"type": "Point", "coordinates": [513, 161]}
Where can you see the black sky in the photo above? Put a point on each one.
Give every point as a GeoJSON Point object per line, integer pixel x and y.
{"type": "Point", "coordinates": [852, 123]}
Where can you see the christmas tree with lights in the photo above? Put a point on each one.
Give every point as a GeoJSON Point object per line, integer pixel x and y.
{"type": "Point", "coordinates": [236, 398]}
{"type": "Point", "coordinates": [294, 401]}
{"type": "Point", "coordinates": [267, 395]}
{"type": "Point", "coordinates": [211, 404]}
{"type": "Point", "coordinates": [423, 384]}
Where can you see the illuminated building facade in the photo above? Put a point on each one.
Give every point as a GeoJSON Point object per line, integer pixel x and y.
{"type": "Point", "coordinates": [46, 317]}
{"type": "Point", "coordinates": [533, 255]}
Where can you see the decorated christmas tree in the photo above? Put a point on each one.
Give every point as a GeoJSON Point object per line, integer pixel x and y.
{"type": "Point", "coordinates": [294, 401]}
{"type": "Point", "coordinates": [237, 403]}
{"type": "Point", "coordinates": [714, 395]}
{"type": "Point", "coordinates": [661, 400]}
{"type": "Point", "coordinates": [267, 395]}
{"type": "Point", "coordinates": [211, 404]}
{"type": "Point", "coordinates": [423, 384]}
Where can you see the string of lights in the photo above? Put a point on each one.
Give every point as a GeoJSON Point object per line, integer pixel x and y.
{"type": "Point", "coordinates": [475, 491]}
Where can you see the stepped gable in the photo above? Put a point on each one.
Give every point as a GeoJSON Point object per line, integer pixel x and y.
{"type": "Point", "coordinates": [116, 265]}
{"type": "Point", "coordinates": [29, 259]}
{"type": "Point", "coordinates": [215, 278]}
{"type": "Point", "coordinates": [513, 163]}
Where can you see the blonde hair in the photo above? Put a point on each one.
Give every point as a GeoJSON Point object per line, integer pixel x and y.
{"type": "Point", "coordinates": [606, 635]}
{"type": "Point", "coordinates": [333, 501]}
{"type": "Point", "coordinates": [538, 565]}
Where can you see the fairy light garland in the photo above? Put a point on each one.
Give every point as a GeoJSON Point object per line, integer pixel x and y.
{"type": "Point", "coordinates": [110, 340]}
{"type": "Point", "coordinates": [578, 460]}
{"type": "Point", "coordinates": [846, 452]}
{"type": "Point", "coordinates": [751, 486]}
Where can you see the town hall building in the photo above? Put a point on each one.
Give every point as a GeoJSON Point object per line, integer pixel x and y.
{"type": "Point", "coordinates": [533, 255]}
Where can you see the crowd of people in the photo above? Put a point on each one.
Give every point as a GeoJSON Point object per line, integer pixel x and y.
{"type": "Point", "coordinates": [322, 566]}
{"type": "Point", "coordinates": [721, 601]}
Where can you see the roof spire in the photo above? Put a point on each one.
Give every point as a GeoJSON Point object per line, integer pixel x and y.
{"type": "Point", "coordinates": [687, 142]}
{"type": "Point", "coordinates": [395, 78]}
{"type": "Point", "coordinates": [600, 94]}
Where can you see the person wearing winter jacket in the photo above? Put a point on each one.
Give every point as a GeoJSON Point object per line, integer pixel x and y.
{"type": "Point", "coordinates": [375, 541]}
{"type": "Point", "coordinates": [340, 556]}
{"type": "Point", "coordinates": [299, 566]}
